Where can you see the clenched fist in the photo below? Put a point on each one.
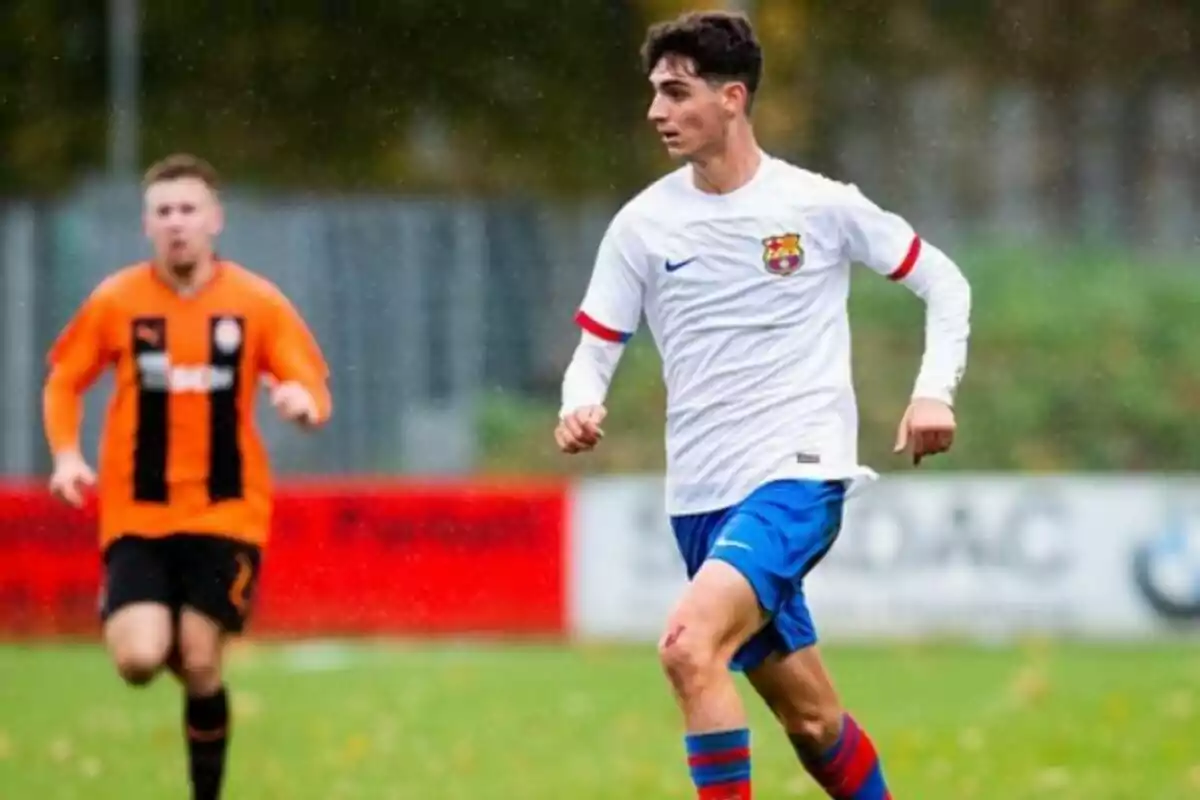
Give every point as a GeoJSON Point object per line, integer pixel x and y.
{"type": "Point", "coordinates": [579, 431]}
{"type": "Point", "coordinates": [294, 403]}
{"type": "Point", "coordinates": [927, 428]}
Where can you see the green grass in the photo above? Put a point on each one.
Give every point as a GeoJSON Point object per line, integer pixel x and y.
{"type": "Point", "coordinates": [521, 723]}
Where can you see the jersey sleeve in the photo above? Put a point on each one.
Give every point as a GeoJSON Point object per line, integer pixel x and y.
{"type": "Point", "coordinates": [612, 305]}
{"type": "Point", "coordinates": [291, 353]}
{"type": "Point", "coordinates": [887, 244]}
{"type": "Point", "coordinates": [880, 240]}
{"type": "Point", "coordinates": [76, 359]}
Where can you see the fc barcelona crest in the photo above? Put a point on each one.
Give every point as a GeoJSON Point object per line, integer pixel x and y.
{"type": "Point", "coordinates": [783, 254]}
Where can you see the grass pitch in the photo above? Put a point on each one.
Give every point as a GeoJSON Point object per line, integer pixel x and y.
{"type": "Point", "coordinates": [426, 721]}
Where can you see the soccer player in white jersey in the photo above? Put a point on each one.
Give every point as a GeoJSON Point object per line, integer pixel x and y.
{"type": "Point", "coordinates": [740, 263]}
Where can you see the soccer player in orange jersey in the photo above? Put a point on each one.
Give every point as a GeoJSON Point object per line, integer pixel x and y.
{"type": "Point", "coordinates": [184, 485]}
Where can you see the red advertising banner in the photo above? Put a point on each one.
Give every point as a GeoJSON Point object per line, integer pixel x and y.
{"type": "Point", "coordinates": [382, 558]}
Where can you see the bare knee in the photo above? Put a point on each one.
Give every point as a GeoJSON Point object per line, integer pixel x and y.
{"type": "Point", "coordinates": [813, 728]}
{"type": "Point", "coordinates": [138, 639]}
{"type": "Point", "coordinates": [137, 662]}
{"type": "Point", "coordinates": [690, 658]}
{"type": "Point", "coordinates": [798, 691]}
{"type": "Point", "coordinates": [201, 673]}
{"type": "Point", "coordinates": [812, 718]}
{"type": "Point", "coordinates": [199, 657]}
{"type": "Point", "coordinates": [718, 613]}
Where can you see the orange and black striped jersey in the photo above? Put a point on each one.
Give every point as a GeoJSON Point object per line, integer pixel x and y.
{"type": "Point", "coordinates": [179, 449]}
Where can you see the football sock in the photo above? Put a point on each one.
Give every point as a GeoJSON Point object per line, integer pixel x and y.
{"type": "Point", "coordinates": [207, 726]}
{"type": "Point", "coordinates": [720, 764]}
{"type": "Point", "coordinates": [849, 770]}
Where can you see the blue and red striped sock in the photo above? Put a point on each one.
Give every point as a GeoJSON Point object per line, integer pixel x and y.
{"type": "Point", "coordinates": [849, 770]}
{"type": "Point", "coordinates": [720, 764]}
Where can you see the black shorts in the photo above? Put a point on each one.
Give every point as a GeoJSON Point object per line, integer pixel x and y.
{"type": "Point", "coordinates": [214, 575]}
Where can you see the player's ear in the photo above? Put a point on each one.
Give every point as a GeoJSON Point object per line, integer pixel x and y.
{"type": "Point", "coordinates": [146, 220]}
{"type": "Point", "coordinates": [734, 96]}
{"type": "Point", "coordinates": [218, 218]}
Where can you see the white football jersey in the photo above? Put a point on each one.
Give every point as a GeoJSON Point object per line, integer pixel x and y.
{"type": "Point", "coordinates": [745, 295]}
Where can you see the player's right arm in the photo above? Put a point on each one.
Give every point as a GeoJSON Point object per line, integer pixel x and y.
{"type": "Point", "coordinates": [77, 358]}
{"type": "Point", "coordinates": [608, 317]}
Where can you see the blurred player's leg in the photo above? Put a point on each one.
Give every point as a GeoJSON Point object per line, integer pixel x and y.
{"type": "Point", "coordinates": [218, 576]}
{"type": "Point", "coordinates": [136, 608]}
{"type": "Point", "coordinates": [716, 615]}
{"type": "Point", "coordinates": [206, 704]}
{"type": "Point", "coordinates": [138, 637]}
{"type": "Point", "coordinates": [828, 741]}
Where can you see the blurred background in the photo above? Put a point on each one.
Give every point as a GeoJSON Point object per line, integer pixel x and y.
{"type": "Point", "coordinates": [428, 181]}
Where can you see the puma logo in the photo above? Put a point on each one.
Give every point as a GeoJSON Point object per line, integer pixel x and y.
{"type": "Point", "coordinates": [148, 334]}
{"type": "Point", "coordinates": [241, 583]}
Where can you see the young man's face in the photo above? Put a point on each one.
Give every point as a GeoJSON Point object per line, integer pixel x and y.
{"type": "Point", "coordinates": [182, 218]}
{"type": "Point", "coordinates": [690, 114]}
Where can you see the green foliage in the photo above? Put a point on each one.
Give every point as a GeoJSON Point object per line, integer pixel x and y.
{"type": "Point", "coordinates": [483, 97]}
{"type": "Point", "coordinates": [1079, 361]}
{"type": "Point", "coordinates": [410, 95]}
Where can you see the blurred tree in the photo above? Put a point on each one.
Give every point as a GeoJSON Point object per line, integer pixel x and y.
{"type": "Point", "coordinates": [51, 91]}
{"type": "Point", "coordinates": [415, 94]}
{"type": "Point", "coordinates": [519, 95]}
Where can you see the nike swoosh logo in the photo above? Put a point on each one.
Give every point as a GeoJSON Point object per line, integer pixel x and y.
{"type": "Point", "coordinates": [672, 266]}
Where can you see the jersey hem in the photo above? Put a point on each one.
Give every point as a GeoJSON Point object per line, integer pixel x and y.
{"type": "Point", "coordinates": [856, 479]}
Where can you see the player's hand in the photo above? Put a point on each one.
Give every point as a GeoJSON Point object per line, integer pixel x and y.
{"type": "Point", "coordinates": [294, 403]}
{"type": "Point", "coordinates": [927, 429]}
{"type": "Point", "coordinates": [580, 431]}
{"type": "Point", "coordinates": [72, 477]}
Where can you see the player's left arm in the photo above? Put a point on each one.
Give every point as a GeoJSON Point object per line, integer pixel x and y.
{"type": "Point", "coordinates": [887, 244]}
{"type": "Point", "coordinates": [296, 368]}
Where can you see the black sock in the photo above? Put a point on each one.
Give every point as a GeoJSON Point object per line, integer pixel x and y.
{"type": "Point", "coordinates": [207, 728]}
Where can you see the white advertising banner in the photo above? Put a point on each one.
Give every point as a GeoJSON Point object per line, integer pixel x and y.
{"type": "Point", "coordinates": [979, 556]}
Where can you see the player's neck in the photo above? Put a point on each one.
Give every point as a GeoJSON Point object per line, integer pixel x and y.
{"type": "Point", "coordinates": [729, 170]}
{"type": "Point", "coordinates": [189, 282]}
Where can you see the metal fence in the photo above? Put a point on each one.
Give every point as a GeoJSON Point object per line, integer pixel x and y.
{"type": "Point", "coordinates": [422, 305]}
{"type": "Point", "coordinates": [419, 306]}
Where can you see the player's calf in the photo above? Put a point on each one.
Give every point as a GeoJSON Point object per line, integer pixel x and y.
{"type": "Point", "coordinates": [849, 769]}
{"type": "Point", "coordinates": [138, 637]}
{"type": "Point", "coordinates": [206, 707]}
{"type": "Point", "coordinates": [834, 750]}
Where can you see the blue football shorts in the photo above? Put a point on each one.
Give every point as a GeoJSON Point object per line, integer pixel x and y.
{"type": "Point", "coordinates": [774, 538]}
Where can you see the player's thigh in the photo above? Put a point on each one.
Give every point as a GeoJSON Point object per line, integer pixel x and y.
{"type": "Point", "coordinates": [219, 577]}
{"type": "Point", "coordinates": [717, 612]}
{"type": "Point", "coordinates": [778, 534]}
{"type": "Point", "coordinates": [718, 607]}
{"type": "Point", "coordinates": [136, 602]}
{"type": "Point", "coordinates": [775, 538]}
{"type": "Point", "coordinates": [799, 690]}
{"type": "Point", "coordinates": [201, 644]}
{"type": "Point", "coordinates": [139, 635]}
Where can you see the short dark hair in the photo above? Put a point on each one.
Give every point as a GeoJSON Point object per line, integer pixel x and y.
{"type": "Point", "coordinates": [721, 44]}
{"type": "Point", "coordinates": [181, 165]}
